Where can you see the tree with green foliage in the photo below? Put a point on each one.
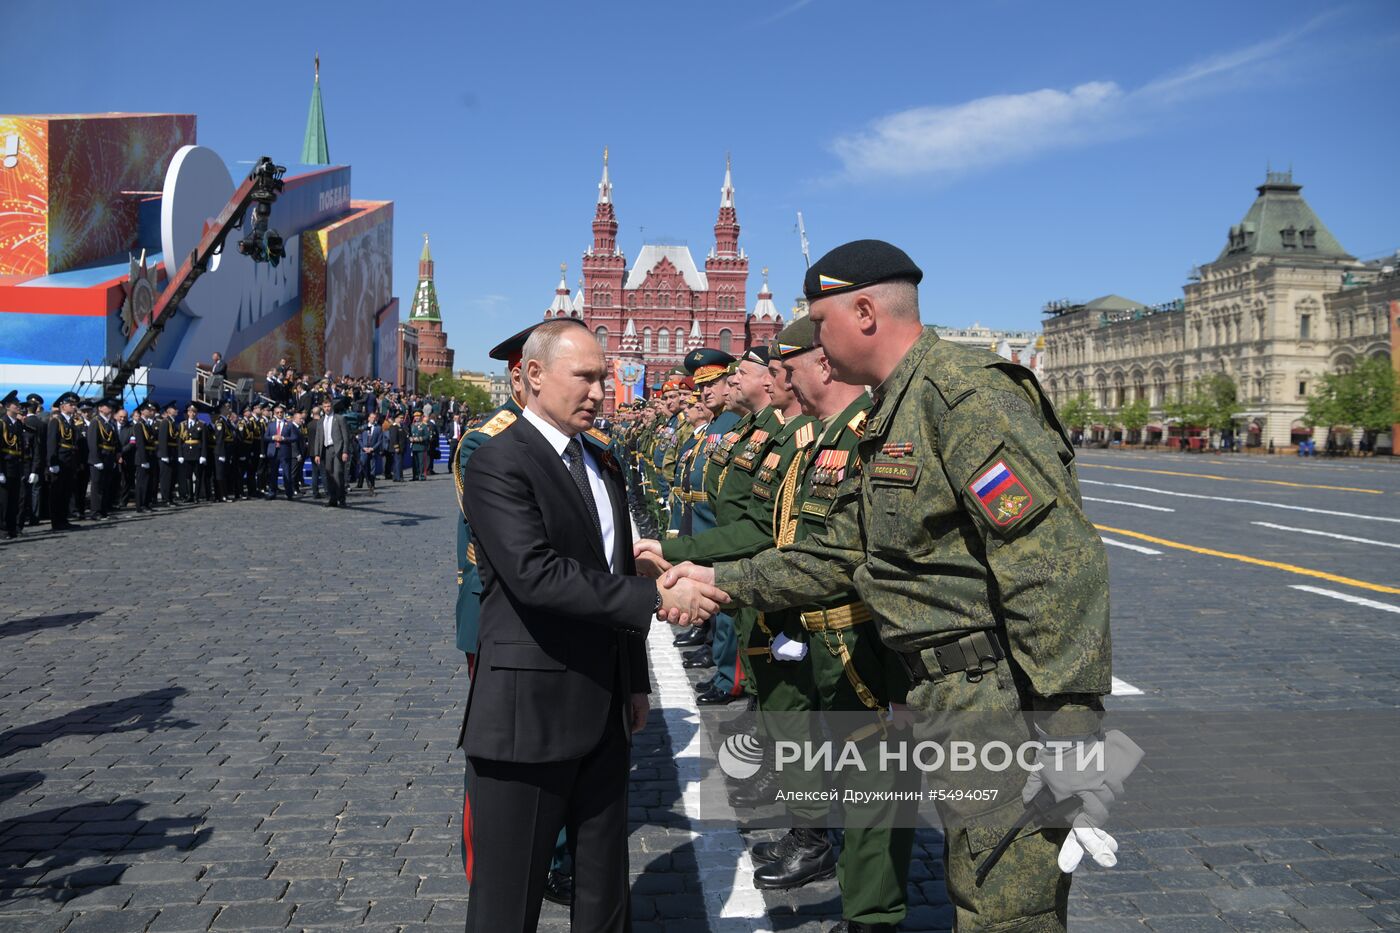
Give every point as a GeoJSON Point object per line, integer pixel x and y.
{"type": "Point", "coordinates": [474, 397]}
{"type": "Point", "coordinates": [1079, 412]}
{"type": "Point", "coordinates": [1366, 397]}
{"type": "Point", "coordinates": [1133, 417]}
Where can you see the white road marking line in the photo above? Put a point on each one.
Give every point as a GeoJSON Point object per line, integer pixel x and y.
{"type": "Point", "coordinates": [1272, 505]}
{"type": "Point", "coordinates": [1347, 597]}
{"type": "Point", "coordinates": [1326, 534]}
{"type": "Point", "coordinates": [725, 867]}
{"type": "Point", "coordinates": [1131, 547]}
{"type": "Point", "coordinates": [1121, 688]}
{"type": "Point", "coordinates": [1131, 505]}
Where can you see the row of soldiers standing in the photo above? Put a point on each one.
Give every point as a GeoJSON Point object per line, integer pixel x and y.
{"type": "Point", "coordinates": [85, 459]}
{"type": "Point", "coordinates": [734, 458]}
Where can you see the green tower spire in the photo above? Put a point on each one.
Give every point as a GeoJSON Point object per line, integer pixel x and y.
{"type": "Point", "coordinates": [314, 150]}
{"type": "Point", "coordinates": [425, 300]}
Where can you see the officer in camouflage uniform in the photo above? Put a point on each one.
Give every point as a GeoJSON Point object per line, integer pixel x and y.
{"type": "Point", "coordinates": [961, 527]}
{"type": "Point", "coordinates": [559, 883]}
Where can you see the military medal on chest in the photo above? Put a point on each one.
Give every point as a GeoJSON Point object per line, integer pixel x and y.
{"type": "Point", "coordinates": [770, 467]}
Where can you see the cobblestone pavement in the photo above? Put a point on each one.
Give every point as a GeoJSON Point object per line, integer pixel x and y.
{"type": "Point", "coordinates": [242, 717]}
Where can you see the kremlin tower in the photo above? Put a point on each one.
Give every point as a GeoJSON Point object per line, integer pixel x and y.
{"type": "Point", "coordinates": [434, 356]}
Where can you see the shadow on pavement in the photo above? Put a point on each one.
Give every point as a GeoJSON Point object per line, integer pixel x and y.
{"type": "Point", "coordinates": [40, 623]}
{"type": "Point", "coordinates": [144, 712]}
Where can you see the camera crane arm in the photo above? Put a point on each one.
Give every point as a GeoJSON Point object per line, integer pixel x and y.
{"type": "Point", "coordinates": [259, 189]}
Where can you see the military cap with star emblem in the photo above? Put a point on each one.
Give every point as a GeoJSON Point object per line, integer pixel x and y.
{"type": "Point", "coordinates": [11, 399]}
{"type": "Point", "coordinates": [678, 382]}
{"type": "Point", "coordinates": [707, 364]}
{"type": "Point", "coordinates": [67, 397]}
{"type": "Point", "coordinates": [858, 264]}
{"type": "Point", "coordinates": [34, 398]}
{"type": "Point", "coordinates": [798, 337]}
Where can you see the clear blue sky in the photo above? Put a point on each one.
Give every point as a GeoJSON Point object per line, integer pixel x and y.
{"type": "Point", "coordinates": [1020, 151]}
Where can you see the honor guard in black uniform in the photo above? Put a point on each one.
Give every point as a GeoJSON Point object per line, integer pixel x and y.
{"type": "Point", "coordinates": [62, 453]}
{"type": "Point", "coordinates": [189, 436]}
{"type": "Point", "coordinates": [12, 464]}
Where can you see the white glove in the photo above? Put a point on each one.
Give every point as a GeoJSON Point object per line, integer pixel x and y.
{"type": "Point", "coordinates": [221, 459]}
{"type": "Point", "coordinates": [145, 466]}
{"type": "Point", "coordinates": [97, 466]}
{"type": "Point", "coordinates": [202, 460]}
{"type": "Point", "coordinates": [785, 649]}
{"type": "Point", "coordinates": [164, 459]}
{"type": "Point", "coordinates": [33, 478]}
{"type": "Point", "coordinates": [3, 481]}
{"type": "Point", "coordinates": [1065, 773]}
{"type": "Point", "coordinates": [53, 469]}
{"type": "Point", "coordinates": [181, 459]}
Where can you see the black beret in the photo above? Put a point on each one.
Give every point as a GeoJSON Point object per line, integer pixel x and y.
{"type": "Point", "coordinates": [756, 354]}
{"type": "Point", "coordinates": [797, 337]}
{"type": "Point", "coordinates": [858, 264]}
{"type": "Point", "coordinates": [514, 344]}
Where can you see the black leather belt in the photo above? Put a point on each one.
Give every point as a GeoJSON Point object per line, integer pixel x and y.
{"type": "Point", "coordinates": [976, 652]}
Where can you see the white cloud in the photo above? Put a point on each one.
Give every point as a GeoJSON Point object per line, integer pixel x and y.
{"type": "Point", "coordinates": [943, 141]}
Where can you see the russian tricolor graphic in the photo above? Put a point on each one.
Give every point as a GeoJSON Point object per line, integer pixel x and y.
{"type": "Point", "coordinates": [827, 283]}
{"type": "Point", "coordinates": [1001, 494]}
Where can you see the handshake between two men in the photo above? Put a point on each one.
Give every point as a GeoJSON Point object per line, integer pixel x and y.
{"type": "Point", "coordinates": [688, 593]}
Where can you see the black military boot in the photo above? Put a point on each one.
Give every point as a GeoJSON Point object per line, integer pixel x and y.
{"type": "Point", "coordinates": [746, 722]}
{"type": "Point", "coordinates": [766, 852]}
{"type": "Point", "coordinates": [855, 926]}
{"type": "Point", "coordinates": [699, 658]}
{"type": "Point", "coordinates": [758, 791]}
{"type": "Point", "coordinates": [693, 638]}
{"type": "Point", "coordinates": [811, 858]}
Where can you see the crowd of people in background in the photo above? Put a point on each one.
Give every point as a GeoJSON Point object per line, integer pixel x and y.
{"type": "Point", "coordinates": [91, 459]}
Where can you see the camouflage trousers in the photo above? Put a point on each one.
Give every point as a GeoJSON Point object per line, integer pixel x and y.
{"type": "Point", "coordinates": [1026, 891]}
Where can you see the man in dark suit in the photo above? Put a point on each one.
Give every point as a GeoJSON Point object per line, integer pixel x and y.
{"type": "Point", "coordinates": [331, 445]}
{"type": "Point", "coordinates": [561, 675]}
{"type": "Point", "coordinates": [372, 444]}
{"type": "Point", "coordinates": [281, 438]}
{"type": "Point", "coordinates": [218, 371]}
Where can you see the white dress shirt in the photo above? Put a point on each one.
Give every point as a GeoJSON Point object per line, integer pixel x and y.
{"type": "Point", "coordinates": [327, 431]}
{"type": "Point", "coordinates": [559, 441]}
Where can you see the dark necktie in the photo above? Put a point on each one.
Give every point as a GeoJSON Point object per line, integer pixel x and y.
{"type": "Point", "coordinates": [574, 454]}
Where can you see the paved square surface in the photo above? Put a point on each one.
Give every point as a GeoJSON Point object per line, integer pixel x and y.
{"type": "Point", "coordinates": [243, 716]}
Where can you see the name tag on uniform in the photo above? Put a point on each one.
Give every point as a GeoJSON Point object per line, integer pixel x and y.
{"type": "Point", "coordinates": [819, 509]}
{"type": "Point", "coordinates": [762, 491]}
{"type": "Point", "coordinates": [905, 473]}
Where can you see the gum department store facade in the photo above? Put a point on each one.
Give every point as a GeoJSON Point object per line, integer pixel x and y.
{"type": "Point", "coordinates": [1282, 304]}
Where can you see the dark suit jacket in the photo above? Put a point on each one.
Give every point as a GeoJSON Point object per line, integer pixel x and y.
{"type": "Point", "coordinates": [561, 637]}
{"type": "Point", "coordinates": [291, 439]}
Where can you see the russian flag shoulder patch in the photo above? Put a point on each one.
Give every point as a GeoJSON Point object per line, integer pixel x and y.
{"type": "Point", "coordinates": [1001, 494]}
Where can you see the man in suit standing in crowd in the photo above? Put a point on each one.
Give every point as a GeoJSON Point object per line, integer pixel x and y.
{"type": "Point", "coordinates": [281, 439]}
{"type": "Point", "coordinates": [331, 447]}
{"type": "Point", "coordinates": [372, 443]}
{"type": "Point", "coordinates": [561, 676]}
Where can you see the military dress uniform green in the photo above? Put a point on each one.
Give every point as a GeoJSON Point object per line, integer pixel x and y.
{"type": "Point", "coordinates": [679, 502]}
{"type": "Point", "coordinates": [960, 525]}
{"type": "Point", "coordinates": [854, 675]}
{"type": "Point", "coordinates": [700, 512]}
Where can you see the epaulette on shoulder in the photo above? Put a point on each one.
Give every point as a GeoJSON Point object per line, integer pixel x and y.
{"type": "Point", "coordinates": [499, 423]}
{"type": "Point", "coordinates": [857, 422]}
{"type": "Point", "coordinates": [599, 436]}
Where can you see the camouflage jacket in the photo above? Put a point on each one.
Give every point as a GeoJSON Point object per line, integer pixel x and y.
{"type": "Point", "coordinates": [963, 513]}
